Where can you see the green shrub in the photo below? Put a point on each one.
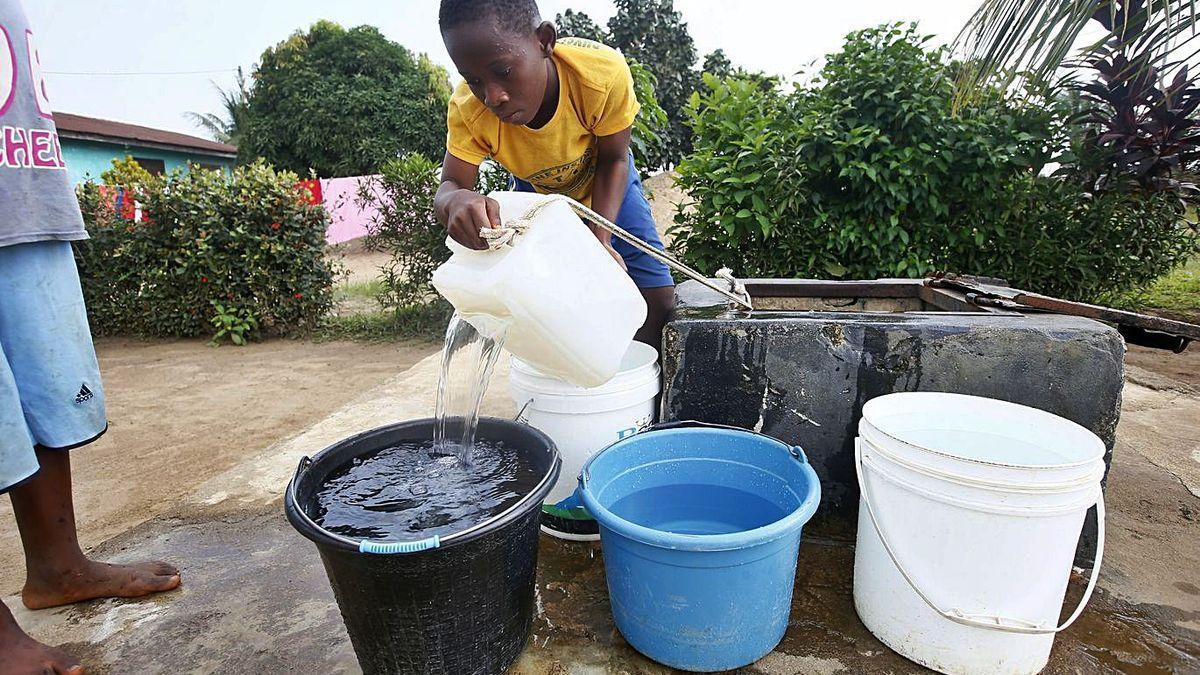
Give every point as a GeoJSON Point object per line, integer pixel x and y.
{"type": "Point", "coordinates": [1048, 236]}
{"type": "Point", "coordinates": [868, 172]}
{"type": "Point", "coordinates": [864, 174]}
{"type": "Point", "coordinates": [406, 227]}
{"type": "Point", "coordinates": [248, 241]}
{"type": "Point", "coordinates": [126, 172]}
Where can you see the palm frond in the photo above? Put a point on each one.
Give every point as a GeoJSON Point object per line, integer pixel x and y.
{"type": "Point", "coordinates": [236, 105]}
{"type": "Point", "coordinates": [1009, 41]}
{"type": "Point", "coordinates": [214, 125]}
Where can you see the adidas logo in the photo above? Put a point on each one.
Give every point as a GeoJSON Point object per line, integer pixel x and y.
{"type": "Point", "coordinates": [84, 394]}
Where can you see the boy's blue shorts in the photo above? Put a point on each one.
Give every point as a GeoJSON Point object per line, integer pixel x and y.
{"type": "Point", "coordinates": [635, 217]}
{"type": "Point", "coordinates": [50, 392]}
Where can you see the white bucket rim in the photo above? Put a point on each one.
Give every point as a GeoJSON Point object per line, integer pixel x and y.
{"type": "Point", "coordinates": [575, 404]}
{"type": "Point", "coordinates": [1086, 436]}
{"type": "Point", "coordinates": [639, 366]}
{"type": "Point", "coordinates": [1084, 482]}
{"type": "Point", "coordinates": [1082, 474]}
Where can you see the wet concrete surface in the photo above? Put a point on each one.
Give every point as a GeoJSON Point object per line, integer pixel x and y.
{"type": "Point", "coordinates": [255, 598]}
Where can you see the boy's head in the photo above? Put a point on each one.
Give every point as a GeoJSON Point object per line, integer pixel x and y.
{"type": "Point", "coordinates": [501, 48]}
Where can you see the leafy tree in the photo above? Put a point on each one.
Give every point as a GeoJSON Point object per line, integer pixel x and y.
{"type": "Point", "coordinates": [341, 102]}
{"type": "Point", "coordinates": [578, 24]}
{"type": "Point", "coordinates": [717, 64]}
{"type": "Point", "coordinates": [648, 140]}
{"type": "Point", "coordinates": [235, 103]}
{"type": "Point", "coordinates": [439, 79]}
{"type": "Point", "coordinates": [1009, 40]}
{"type": "Point", "coordinates": [654, 33]}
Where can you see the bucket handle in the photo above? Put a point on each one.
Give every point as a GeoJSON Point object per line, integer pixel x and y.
{"type": "Point", "coordinates": [390, 547]}
{"type": "Point", "coordinates": [795, 451]}
{"type": "Point", "coordinates": [999, 623]}
{"type": "Point", "coordinates": [520, 412]}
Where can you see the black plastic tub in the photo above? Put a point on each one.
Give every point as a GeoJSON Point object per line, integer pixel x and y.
{"type": "Point", "coordinates": [457, 605]}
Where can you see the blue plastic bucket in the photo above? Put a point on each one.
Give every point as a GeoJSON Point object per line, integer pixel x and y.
{"type": "Point", "coordinates": [700, 527]}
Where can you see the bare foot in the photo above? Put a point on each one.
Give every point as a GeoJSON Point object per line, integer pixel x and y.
{"type": "Point", "coordinates": [97, 580]}
{"type": "Point", "coordinates": [22, 655]}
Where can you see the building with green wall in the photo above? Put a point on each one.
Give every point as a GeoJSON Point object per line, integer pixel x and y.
{"type": "Point", "coordinates": [89, 146]}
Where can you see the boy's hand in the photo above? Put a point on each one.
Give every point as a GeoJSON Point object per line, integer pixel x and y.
{"type": "Point", "coordinates": [468, 212]}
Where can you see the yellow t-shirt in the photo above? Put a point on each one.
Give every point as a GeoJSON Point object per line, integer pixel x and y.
{"type": "Point", "coordinates": [595, 98]}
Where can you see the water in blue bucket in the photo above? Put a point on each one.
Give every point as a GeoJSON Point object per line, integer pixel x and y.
{"type": "Point", "coordinates": [701, 528]}
{"type": "Point", "coordinates": [698, 508]}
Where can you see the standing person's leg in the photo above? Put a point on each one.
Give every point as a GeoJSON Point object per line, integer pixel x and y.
{"type": "Point", "coordinates": [48, 352]}
{"type": "Point", "coordinates": [652, 277]}
{"type": "Point", "coordinates": [56, 570]}
{"type": "Point", "coordinates": [21, 654]}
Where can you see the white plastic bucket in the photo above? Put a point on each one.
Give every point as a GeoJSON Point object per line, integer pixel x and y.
{"type": "Point", "coordinates": [970, 513]}
{"type": "Point", "coordinates": [582, 421]}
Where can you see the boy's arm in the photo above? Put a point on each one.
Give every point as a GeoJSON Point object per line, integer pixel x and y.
{"type": "Point", "coordinates": [612, 178]}
{"type": "Point", "coordinates": [463, 211]}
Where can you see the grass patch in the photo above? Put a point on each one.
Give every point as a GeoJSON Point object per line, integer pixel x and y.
{"type": "Point", "coordinates": [366, 290]}
{"type": "Point", "coordinates": [1175, 293]}
{"type": "Point", "coordinates": [423, 322]}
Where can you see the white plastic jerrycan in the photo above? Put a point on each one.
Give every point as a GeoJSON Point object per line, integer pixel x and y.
{"type": "Point", "coordinates": [570, 310]}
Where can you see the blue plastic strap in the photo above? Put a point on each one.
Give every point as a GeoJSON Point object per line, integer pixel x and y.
{"type": "Point", "coordinates": [388, 547]}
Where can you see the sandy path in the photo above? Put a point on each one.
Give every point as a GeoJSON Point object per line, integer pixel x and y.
{"type": "Point", "coordinates": [181, 412]}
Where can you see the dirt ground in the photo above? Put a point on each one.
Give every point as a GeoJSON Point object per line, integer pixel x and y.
{"type": "Point", "coordinates": [1183, 367]}
{"type": "Point", "coordinates": [357, 265]}
{"type": "Point", "coordinates": [664, 199]}
{"type": "Point", "coordinates": [181, 412]}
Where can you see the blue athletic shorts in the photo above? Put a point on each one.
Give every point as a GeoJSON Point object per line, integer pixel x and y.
{"type": "Point", "coordinates": [635, 217]}
{"type": "Point", "coordinates": [50, 392]}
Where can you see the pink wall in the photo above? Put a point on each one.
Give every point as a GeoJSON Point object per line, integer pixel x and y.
{"type": "Point", "coordinates": [347, 220]}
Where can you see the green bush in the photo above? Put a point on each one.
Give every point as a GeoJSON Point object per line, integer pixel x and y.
{"type": "Point", "coordinates": [248, 243]}
{"type": "Point", "coordinates": [406, 227]}
{"type": "Point", "coordinates": [1048, 236]}
{"type": "Point", "coordinates": [868, 172]}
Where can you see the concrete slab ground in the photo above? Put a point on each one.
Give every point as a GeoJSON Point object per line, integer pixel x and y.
{"type": "Point", "coordinates": [255, 598]}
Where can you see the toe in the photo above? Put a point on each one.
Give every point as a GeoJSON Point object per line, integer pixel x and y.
{"type": "Point", "coordinates": [164, 582]}
{"type": "Point", "coordinates": [163, 569]}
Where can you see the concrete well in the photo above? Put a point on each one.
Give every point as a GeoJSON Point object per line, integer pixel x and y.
{"type": "Point", "coordinates": [801, 368]}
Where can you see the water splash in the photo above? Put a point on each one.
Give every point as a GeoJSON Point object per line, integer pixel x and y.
{"type": "Point", "coordinates": [468, 359]}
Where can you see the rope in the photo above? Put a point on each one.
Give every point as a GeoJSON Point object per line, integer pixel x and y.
{"type": "Point", "coordinates": [735, 286]}
{"type": "Point", "coordinates": [507, 234]}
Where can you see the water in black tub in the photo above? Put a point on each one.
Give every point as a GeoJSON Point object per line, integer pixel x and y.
{"type": "Point", "coordinates": [440, 486]}
{"type": "Point", "coordinates": [410, 491]}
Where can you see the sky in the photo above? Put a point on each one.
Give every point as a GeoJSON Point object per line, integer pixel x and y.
{"type": "Point", "coordinates": [150, 61]}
